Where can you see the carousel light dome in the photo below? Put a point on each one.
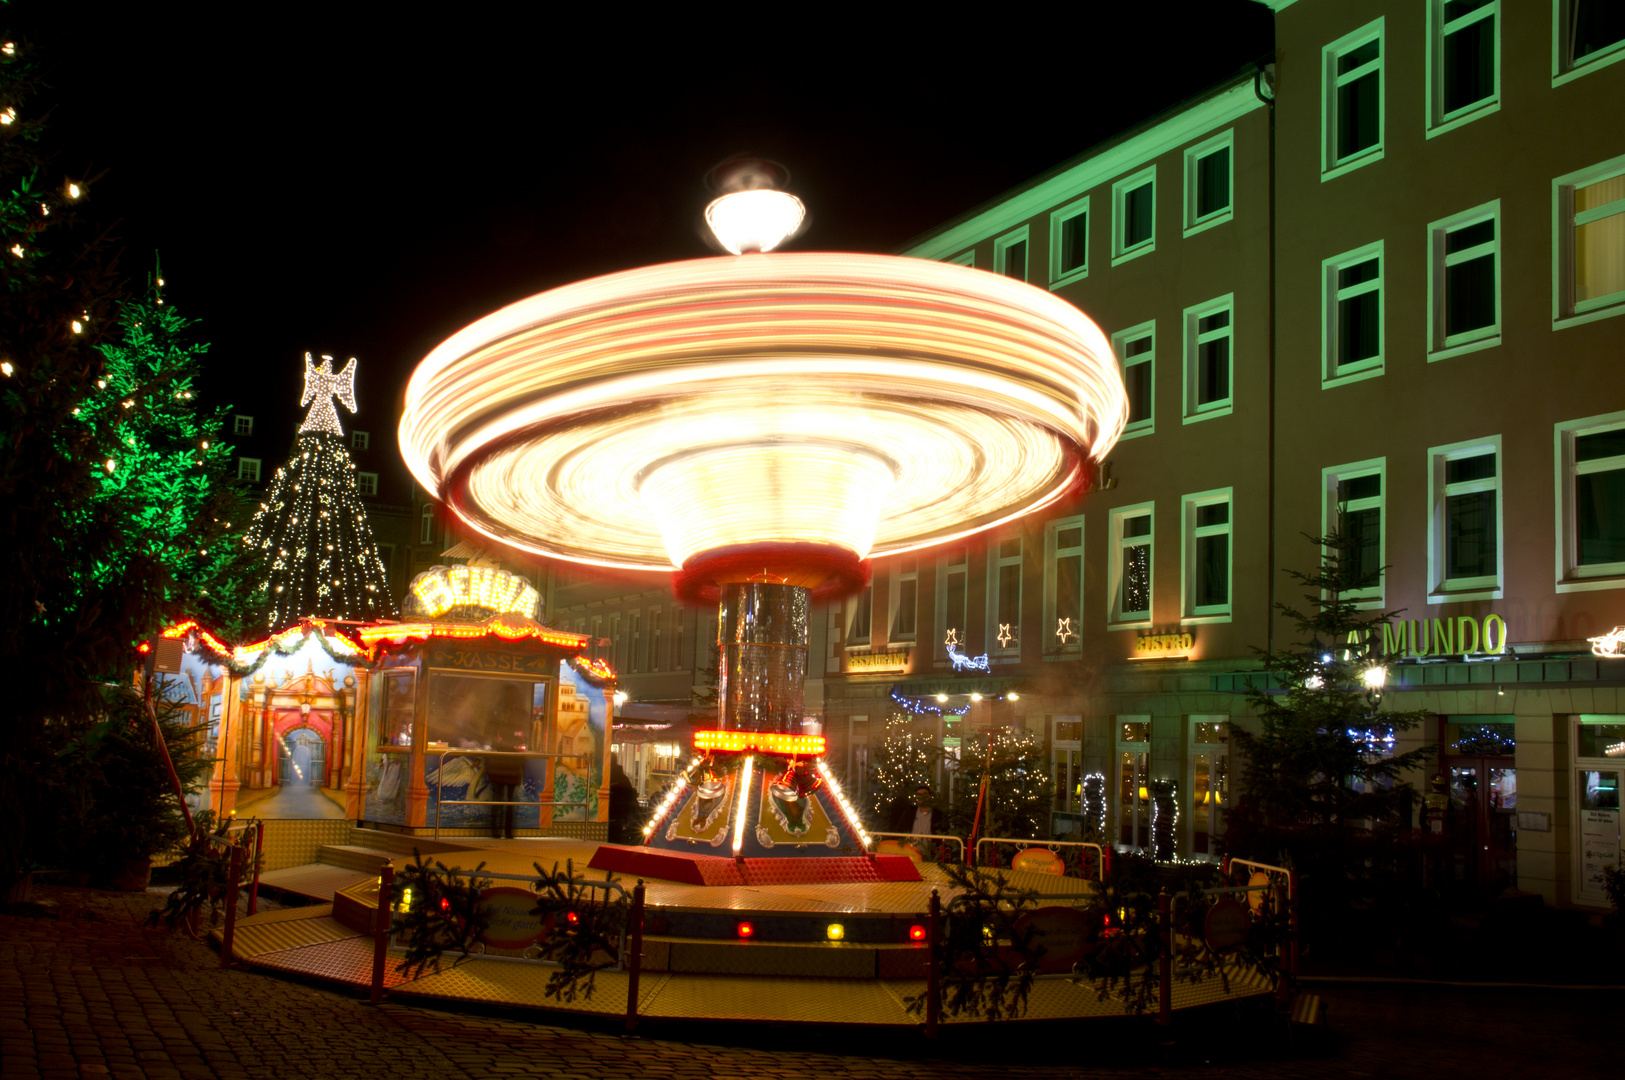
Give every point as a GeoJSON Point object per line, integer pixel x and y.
{"type": "Point", "coordinates": [862, 404]}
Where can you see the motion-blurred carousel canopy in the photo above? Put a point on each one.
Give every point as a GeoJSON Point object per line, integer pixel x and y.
{"type": "Point", "coordinates": [856, 405]}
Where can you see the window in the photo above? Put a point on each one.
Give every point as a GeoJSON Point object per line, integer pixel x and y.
{"type": "Point", "coordinates": [1588, 244]}
{"type": "Point", "coordinates": [679, 659]}
{"type": "Point", "coordinates": [1131, 536]}
{"type": "Point", "coordinates": [1134, 212]}
{"type": "Point", "coordinates": [1207, 556]}
{"type": "Point", "coordinates": [243, 425]}
{"type": "Point", "coordinates": [1591, 503]}
{"type": "Point", "coordinates": [1351, 101]}
{"type": "Point", "coordinates": [657, 623]}
{"type": "Point", "coordinates": [1352, 502]}
{"type": "Point", "coordinates": [426, 524]}
{"type": "Point", "coordinates": [1069, 243]}
{"type": "Point", "coordinates": [1208, 336]}
{"type": "Point", "coordinates": [1464, 62]}
{"type": "Point", "coordinates": [360, 440]}
{"type": "Point", "coordinates": [617, 644]}
{"type": "Point", "coordinates": [905, 599]}
{"type": "Point", "coordinates": [965, 258]}
{"type": "Point", "coordinates": [1136, 350]}
{"type": "Point", "coordinates": [1351, 333]}
{"type": "Point", "coordinates": [951, 582]}
{"type": "Point", "coordinates": [1595, 797]}
{"type": "Point", "coordinates": [1586, 35]}
{"type": "Point", "coordinates": [366, 483]}
{"type": "Point", "coordinates": [1063, 586]}
{"type": "Point", "coordinates": [1066, 762]}
{"type": "Point", "coordinates": [1464, 529]}
{"type": "Point", "coordinates": [634, 633]}
{"type": "Point", "coordinates": [858, 610]}
{"type": "Point", "coordinates": [596, 642]}
{"type": "Point", "coordinates": [1010, 254]}
{"type": "Point", "coordinates": [1209, 174]}
{"type": "Point", "coordinates": [1464, 282]}
{"type": "Point", "coordinates": [1133, 782]}
{"type": "Point", "coordinates": [1208, 781]}
{"type": "Point", "coordinates": [248, 468]}
{"type": "Point", "coordinates": [1004, 597]}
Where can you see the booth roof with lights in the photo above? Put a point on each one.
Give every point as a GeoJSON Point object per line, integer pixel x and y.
{"type": "Point", "coordinates": [403, 717]}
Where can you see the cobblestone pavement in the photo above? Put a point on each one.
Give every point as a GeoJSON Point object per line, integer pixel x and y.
{"type": "Point", "coordinates": [86, 991]}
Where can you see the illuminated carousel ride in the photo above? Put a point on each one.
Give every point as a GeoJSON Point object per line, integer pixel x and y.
{"type": "Point", "coordinates": [759, 425]}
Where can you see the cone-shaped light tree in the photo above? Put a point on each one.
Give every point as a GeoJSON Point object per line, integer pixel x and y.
{"type": "Point", "coordinates": [312, 528]}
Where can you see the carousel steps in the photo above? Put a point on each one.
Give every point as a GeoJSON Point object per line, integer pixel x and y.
{"type": "Point", "coordinates": [830, 960]}
{"type": "Point", "coordinates": [354, 857]}
{"type": "Point", "coordinates": [398, 844]}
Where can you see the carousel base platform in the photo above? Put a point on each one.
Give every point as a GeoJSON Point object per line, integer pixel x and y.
{"type": "Point", "coordinates": [695, 965]}
{"type": "Point", "coordinates": [696, 869]}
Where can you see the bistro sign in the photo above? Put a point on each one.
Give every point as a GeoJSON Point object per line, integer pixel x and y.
{"type": "Point", "coordinates": [1164, 643]}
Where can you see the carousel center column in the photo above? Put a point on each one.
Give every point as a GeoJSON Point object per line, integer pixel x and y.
{"type": "Point", "coordinates": [762, 627]}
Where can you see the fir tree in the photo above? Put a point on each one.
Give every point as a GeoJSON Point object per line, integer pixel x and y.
{"type": "Point", "coordinates": [907, 756]}
{"type": "Point", "coordinates": [169, 470]}
{"type": "Point", "coordinates": [1020, 791]}
{"type": "Point", "coordinates": [1318, 783]}
{"type": "Point", "coordinates": [312, 529]}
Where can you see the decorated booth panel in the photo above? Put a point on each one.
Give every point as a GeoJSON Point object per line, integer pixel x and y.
{"type": "Point", "coordinates": [198, 683]}
{"type": "Point", "coordinates": [583, 733]}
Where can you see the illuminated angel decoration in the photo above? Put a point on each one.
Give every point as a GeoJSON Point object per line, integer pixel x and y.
{"type": "Point", "coordinates": [323, 385]}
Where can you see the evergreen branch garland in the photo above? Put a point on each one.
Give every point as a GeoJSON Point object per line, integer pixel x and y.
{"type": "Point", "coordinates": [437, 909]}
{"type": "Point", "coordinates": [586, 944]}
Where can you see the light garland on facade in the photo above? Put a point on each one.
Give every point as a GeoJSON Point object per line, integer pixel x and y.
{"type": "Point", "coordinates": [851, 815]}
{"type": "Point", "coordinates": [920, 705]}
{"type": "Point", "coordinates": [767, 742]}
{"type": "Point", "coordinates": [913, 402]}
{"type": "Point", "coordinates": [400, 633]}
{"type": "Point", "coordinates": [214, 644]}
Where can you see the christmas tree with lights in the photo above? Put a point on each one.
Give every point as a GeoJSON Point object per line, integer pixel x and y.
{"type": "Point", "coordinates": [907, 757]}
{"type": "Point", "coordinates": [312, 529]}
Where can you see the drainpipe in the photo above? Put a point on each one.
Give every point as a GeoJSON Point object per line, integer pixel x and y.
{"type": "Point", "coordinates": [1264, 89]}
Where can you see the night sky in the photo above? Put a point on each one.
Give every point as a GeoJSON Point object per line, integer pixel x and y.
{"type": "Point", "coordinates": [366, 185]}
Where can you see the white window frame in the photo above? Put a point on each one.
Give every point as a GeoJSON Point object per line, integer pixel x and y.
{"type": "Point", "coordinates": [1441, 347]}
{"type": "Point", "coordinates": [1333, 373]}
{"type": "Point", "coordinates": [1001, 253]}
{"type": "Point", "coordinates": [1194, 340]}
{"type": "Point", "coordinates": [360, 440]}
{"type": "Point", "coordinates": [1122, 746]}
{"type": "Point", "coordinates": [1190, 613]}
{"type": "Point", "coordinates": [1121, 253]}
{"type": "Point", "coordinates": [964, 258]}
{"type": "Point", "coordinates": [995, 561]}
{"type": "Point", "coordinates": [634, 637]}
{"type": "Point", "coordinates": [1578, 764]}
{"type": "Point", "coordinates": [1371, 597]}
{"type": "Point", "coordinates": [894, 598]}
{"type": "Point", "coordinates": [242, 424]}
{"type": "Point", "coordinates": [1214, 751]}
{"type": "Point", "coordinates": [860, 601]}
{"type": "Point", "coordinates": [1442, 590]}
{"type": "Point", "coordinates": [656, 626]}
{"type": "Point", "coordinates": [243, 469]}
{"type": "Point", "coordinates": [1058, 274]}
{"type": "Point", "coordinates": [1572, 577]}
{"type": "Point", "coordinates": [1564, 69]}
{"type": "Point", "coordinates": [1073, 646]}
{"type": "Point", "coordinates": [1330, 165]}
{"type": "Point", "coordinates": [1115, 618]}
{"type": "Point", "coordinates": [940, 616]}
{"type": "Point", "coordinates": [426, 524]}
{"type": "Point", "coordinates": [1438, 121]}
{"type": "Point", "coordinates": [1067, 754]}
{"type": "Point", "coordinates": [367, 483]}
{"type": "Point", "coordinates": [1226, 141]}
{"type": "Point", "coordinates": [1566, 311]}
{"type": "Point", "coordinates": [1120, 342]}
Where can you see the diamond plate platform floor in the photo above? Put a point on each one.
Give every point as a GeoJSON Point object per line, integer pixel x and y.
{"type": "Point", "coordinates": [314, 881]}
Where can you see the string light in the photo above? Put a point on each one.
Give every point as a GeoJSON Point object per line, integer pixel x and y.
{"type": "Point", "coordinates": [6, 367]}
{"type": "Point", "coordinates": [768, 742]}
{"type": "Point", "coordinates": [851, 815]}
{"type": "Point", "coordinates": [313, 528]}
{"type": "Point", "coordinates": [920, 705]}
{"type": "Point", "coordinates": [742, 804]}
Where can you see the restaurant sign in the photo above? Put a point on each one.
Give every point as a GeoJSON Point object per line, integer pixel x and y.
{"type": "Point", "coordinates": [876, 662]}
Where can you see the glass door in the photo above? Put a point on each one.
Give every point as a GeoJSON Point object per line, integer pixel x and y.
{"type": "Point", "coordinates": [1599, 746]}
{"type": "Point", "coordinates": [1134, 784]}
{"type": "Point", "coordinates": [1481, 820]}
{"type": "Point", "coordinates": [1066, 766]}
{"type": "Point", "coordinates": [1209, 783]}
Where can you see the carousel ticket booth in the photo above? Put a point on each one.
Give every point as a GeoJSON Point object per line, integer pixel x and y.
{"type": "Point", "coordinates": [472, 704]}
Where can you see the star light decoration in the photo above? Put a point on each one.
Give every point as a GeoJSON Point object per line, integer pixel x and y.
{"type": "Point", "coordinates": [952, 639]}
{"type": "Point", "coordinates": [1005, 636]}
{"type": "Point", "coordinates": [1064, 631]}
{"type": "Point", "coordinates": [322, 384]}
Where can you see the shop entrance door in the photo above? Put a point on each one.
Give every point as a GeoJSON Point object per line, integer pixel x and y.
{"type": "Point", "coordinates": [1484, 840]}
